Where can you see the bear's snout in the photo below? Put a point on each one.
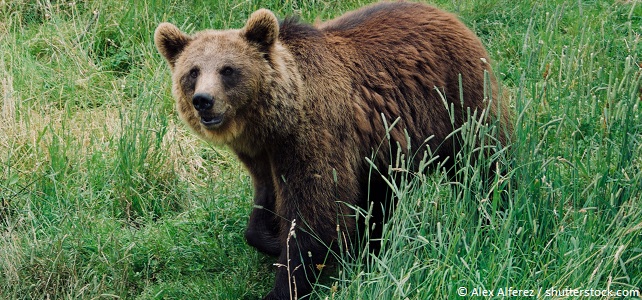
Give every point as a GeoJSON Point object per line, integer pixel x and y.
{"type": "Point", "coordinates": [211, 117]}
{"type": "Point", "coordinates": [202, 102]}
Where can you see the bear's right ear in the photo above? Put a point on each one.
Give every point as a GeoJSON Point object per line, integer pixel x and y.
{"type": "Point", "coordinates": [170, 42]}
{"type": "Point", "coordinates": [262, 28]}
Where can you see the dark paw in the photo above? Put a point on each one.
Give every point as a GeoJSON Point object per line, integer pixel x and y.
{"type": "Point", "coordinates": [263, 241]}
{"type": "Point", "coordinates": [272, 296]}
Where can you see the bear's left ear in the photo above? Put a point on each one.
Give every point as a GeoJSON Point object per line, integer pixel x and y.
{"type": "Point", "coordinates": [262, 28]}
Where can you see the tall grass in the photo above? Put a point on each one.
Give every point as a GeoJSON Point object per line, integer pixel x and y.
{"type": "Point", "coordinates": [103, 194]}
{"type": "Point", "coordinates": [573, 218]}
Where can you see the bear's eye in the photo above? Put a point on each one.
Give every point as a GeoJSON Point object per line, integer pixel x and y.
{"type": "Point", "coordinates": [193, 73]}
{"type": "Point", "coordinates": [227, 71]}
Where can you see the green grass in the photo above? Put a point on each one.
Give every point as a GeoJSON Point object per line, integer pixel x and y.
{"type": "Point", "coordinates": [105, 194]}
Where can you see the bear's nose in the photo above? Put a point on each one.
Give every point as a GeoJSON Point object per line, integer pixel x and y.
{"type": "Point", "coordinates": [202, 101]}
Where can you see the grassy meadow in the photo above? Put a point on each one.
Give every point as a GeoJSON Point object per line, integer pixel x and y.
{"type": "Point", "coordinates": [104, 193]}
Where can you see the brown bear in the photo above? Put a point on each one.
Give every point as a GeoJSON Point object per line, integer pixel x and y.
{"type": "Point", "coordinates": [303, 106]}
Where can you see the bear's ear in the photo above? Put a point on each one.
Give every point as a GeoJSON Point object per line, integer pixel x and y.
{"type": "Point", "coordinates": [170, 42]}
{"type": "Point", "coordinates": [262, 28]}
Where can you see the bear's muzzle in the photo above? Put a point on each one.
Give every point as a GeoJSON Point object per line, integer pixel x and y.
{"type": "Point", "coordinates": [203, 103]}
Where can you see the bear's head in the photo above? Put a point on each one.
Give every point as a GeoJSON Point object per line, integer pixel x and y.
{"type": "Point", "coordinates": [218, 75]}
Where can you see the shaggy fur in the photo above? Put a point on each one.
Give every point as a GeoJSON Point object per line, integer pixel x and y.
{"type": "Point", "coordinates": [301, 104]}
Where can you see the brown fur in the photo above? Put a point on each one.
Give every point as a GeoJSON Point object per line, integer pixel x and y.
{"type": "Point", "coordinates": [303, 103]}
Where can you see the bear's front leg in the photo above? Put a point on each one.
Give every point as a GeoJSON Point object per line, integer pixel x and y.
{"type": "Point", "coordinates": [263, 228]}
{"type": "Point", "coordinates": [317, 204]}
{"type": "Point", "coordinates": [295, 272]}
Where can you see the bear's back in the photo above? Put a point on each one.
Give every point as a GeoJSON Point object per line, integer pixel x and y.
{"type": "Point", "coordinates": [376, 16]}
{"type": "Point", "coordinates": [398, 59]}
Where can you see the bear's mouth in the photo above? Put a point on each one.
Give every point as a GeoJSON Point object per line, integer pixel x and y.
{"type": "Point", "coordinates": [212, 121]}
